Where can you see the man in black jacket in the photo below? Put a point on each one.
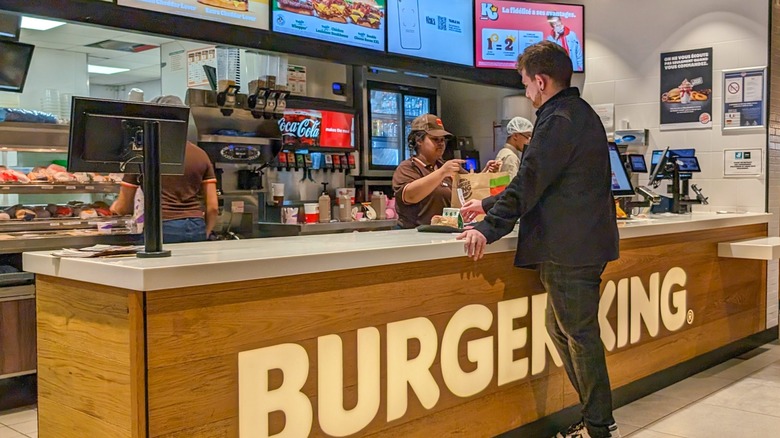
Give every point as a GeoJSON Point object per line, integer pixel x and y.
{"type": "Point", "coordinates": [562, 196]}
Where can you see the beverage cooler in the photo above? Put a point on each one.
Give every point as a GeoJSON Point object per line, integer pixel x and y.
{"type": "Point", "coordinates": [391, 102]}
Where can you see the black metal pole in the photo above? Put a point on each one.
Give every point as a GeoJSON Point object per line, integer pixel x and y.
{"type": "Point", "coordinates": [152, 193]}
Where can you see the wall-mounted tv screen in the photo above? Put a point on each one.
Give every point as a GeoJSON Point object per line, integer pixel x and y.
{"type": "Point", "coordinates": [504, 29]}
{"type": "Point", "coordinates": [15, 61]}
{"type": "Point", "coordinates": [359, 23]}
{"type": "Point", "coordinates": [249, 13]}
{"type": "Point", "coordinates": [426, 29]}
{"type": "Point", "coordinates": [10, 26]}
{"type": "Point", "coordinates": [318, 128]}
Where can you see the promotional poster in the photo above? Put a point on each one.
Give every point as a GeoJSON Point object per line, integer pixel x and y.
{"type": "Point", "coordinates": [249, 13]}
{"type": "Point", "coordinates": [359, 23]}
{"type": "Point", "coordinates": [505, 28]}
{"type": "Point", "coordinates": [686, 89]}
{"type": "Point", "coordinates": [318, 128]}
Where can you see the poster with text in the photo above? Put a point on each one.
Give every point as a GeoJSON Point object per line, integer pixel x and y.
{"type": "Point", "coordinates": [359, 23]}
{"type": "Point", "coordinates": [196, 60]}
{"type": "Point", "coordinates": [686, 89]}
{"type": "Point", "coordinates": [504, 29]}
{"type": "Point", "coordinates": [744, 102]}
{"type": "Point", "coordinates": [249, 13]}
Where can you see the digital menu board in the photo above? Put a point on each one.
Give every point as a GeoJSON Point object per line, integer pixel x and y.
{"type": "Point", "coordinates": [249, 13]}
{"type": "Point", "coordinates": [359, 23]}
{"type": "Point", "coordinates": [505, 28]}
{"type": "Point", "coordinates": [426, 29]}
{"type": "Point", "coordinates": [318, 128]}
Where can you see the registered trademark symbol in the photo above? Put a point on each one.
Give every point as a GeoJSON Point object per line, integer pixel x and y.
{"type": "Point", "coordinates": [690, 317]}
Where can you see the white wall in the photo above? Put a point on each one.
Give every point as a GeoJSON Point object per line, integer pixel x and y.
{"type": "Point", "coordinates": [624, 42]}
{"type": "Point", "coordinates": [151, 90]}
{"type": "Point", "coordinates": [59, 70]}
{"type": "Point", "coordinates": [471, 110]}
{"type": "Point", "coordinates": [320, 74]}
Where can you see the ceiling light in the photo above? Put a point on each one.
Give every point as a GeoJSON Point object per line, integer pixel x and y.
{"type": "Point", "coordinates": [103, 70]}
{"type": "Point", "coordinates": [39, 24]}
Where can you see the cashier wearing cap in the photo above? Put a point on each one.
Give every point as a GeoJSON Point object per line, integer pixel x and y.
{"type": "Point", "coordinates": [422, 185]}
{"type": "Point", "coordinates": [518, 132]}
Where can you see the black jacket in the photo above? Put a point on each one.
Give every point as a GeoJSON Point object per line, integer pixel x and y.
{"type": "Point", "coordinates": [562, 193]}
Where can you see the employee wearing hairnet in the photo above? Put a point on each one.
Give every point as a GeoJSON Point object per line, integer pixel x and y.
{"type": "Point", "coordinates": [518, 132]}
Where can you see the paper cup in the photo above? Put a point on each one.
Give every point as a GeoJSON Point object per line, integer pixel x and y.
{"type": "Point", "coordinates": [312, 213]}
{"type": "Point", "coordinates": [277, 192]}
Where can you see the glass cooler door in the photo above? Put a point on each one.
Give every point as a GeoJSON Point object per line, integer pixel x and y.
{"type": "Point", "coordinates": [387, 149]}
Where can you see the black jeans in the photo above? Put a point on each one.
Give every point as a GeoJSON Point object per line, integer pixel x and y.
{"type": "Point", "coordinates": [572, 321]}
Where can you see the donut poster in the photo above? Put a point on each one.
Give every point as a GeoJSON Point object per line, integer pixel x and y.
{"type": "Point", "coordinates": [686, 89]}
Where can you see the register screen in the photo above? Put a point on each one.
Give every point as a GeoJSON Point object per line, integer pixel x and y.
{"type": "Point", "coordinates": [621, 185]}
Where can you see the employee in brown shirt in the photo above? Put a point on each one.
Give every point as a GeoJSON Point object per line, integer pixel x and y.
{"type": "Point", "coordinates": [183, 218]}
{"type": "Point", "coordinates": [422, 185]}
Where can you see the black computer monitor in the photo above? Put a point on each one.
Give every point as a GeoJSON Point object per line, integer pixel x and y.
{"type": "Point", "coordinates": [688, 152]}
{"type": "Point", "coordinates": [621, 183]}
{"type": "Point", "coordinates": [472, 160]}
{"type": "Point", "coordinates": [687, 164]}
{"type": "Point", "coordinates": [10, 26]}
{"type": "Point", "coordinates": [657, 172]}
{"type": "Point", "coordinates": [15, 59]}
{"type": "Point", "coordinates": [637, 163]}
{"type": "Point", "coordinates": [106, 136]}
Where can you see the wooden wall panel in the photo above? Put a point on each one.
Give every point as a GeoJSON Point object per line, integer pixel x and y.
{"type": "Point", "coordinates": [195, 334]}
{"type": "Point", "coordinates": [17, 336]}
{"type": "Point", "coordinates": [87, 379]}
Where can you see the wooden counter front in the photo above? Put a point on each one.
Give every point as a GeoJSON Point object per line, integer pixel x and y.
{"type": "Point", "coordinates": [100, 376]}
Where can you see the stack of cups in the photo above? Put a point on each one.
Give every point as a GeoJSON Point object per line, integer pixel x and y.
{"type": "Point", "coordinates": [50, 102]}
{"type": "Point", "coordinates": [65, 99]}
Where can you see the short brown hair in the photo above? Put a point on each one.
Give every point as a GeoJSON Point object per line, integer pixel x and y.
{"type": "Point", "coordinates": [546, 58]}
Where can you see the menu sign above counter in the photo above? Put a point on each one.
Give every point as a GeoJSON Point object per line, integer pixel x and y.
{"type": "Point", "coordinates": [249, 13]}
{"type": "Point", "coordinates": [316, 128]}
{"type": "Point", "coordinates": [505, 28]}
{"type": "Point", "coordinates": [359, 23]}
{"type": "Point", "coordinates": [426, 29]}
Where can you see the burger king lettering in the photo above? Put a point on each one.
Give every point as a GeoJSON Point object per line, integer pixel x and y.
{"type": "Point", "coordinates": [659, 301]}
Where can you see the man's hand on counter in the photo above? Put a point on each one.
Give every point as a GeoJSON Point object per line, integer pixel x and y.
{"type": "Point", "coordinates": [471, 209]}
{"type": "Point", "coordinates": [474, 243]}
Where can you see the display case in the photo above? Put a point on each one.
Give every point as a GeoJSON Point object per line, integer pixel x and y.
{"type": "Point", "coordinates": [24, 146]}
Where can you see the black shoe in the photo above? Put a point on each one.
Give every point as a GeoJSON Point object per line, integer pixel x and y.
{"type": "Point", "coordinates": [578, 430]}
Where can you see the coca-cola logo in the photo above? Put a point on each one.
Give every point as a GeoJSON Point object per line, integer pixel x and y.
{"type": "Point", "coordinates": [305, 128]}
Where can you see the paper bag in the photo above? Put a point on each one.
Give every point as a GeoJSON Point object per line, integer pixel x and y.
{"type": "Point", "coordinates": [478, 186]}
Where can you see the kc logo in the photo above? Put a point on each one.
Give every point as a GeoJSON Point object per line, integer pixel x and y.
{"type": "Point", "coordinates": [489, 12]}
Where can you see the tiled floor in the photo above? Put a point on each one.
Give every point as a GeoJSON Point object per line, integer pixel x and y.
{"type": "Point", "coordinates": [738, 398]}
{"type": "Point", "coordinates": [19, 423]}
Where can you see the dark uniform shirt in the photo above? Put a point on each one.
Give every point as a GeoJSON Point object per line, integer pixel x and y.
{"type": "Point", "coordinates": [180, 193]}
{"type": "Point", "coordinates": [412, 215]}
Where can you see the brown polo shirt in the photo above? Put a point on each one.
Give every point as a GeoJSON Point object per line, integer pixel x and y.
{"type": "Point", "coordinates": [412, 215]}
{"type": "Point", "coordinates": [180, 193]}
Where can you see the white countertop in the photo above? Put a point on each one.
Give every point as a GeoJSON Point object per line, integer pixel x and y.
{"type": "Point", "coordinates": [194, 264]}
